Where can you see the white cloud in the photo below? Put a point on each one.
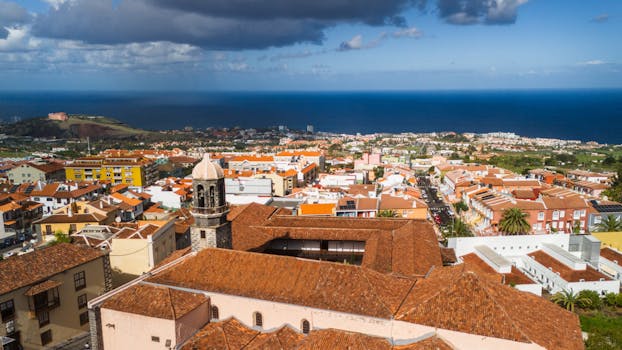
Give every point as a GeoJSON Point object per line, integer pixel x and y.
{"type": "Point", "coordinates": [356, 43]}
{"type": "Point", "coordinates": [593, 63]}
{"type": "Point", "coordinates": [411, 32]}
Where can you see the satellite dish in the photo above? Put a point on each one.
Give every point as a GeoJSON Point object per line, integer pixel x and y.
{"type": "Point", "coordinates": [117, 219]}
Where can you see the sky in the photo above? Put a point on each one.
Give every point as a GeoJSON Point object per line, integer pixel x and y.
{"type": "Point", "coordinates": [322, 45]}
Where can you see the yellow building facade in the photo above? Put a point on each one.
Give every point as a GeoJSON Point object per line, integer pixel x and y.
{"type": "Point", "coordinates": [134, 171]}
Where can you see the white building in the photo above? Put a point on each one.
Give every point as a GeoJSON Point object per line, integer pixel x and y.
{"type": "Point", "coordinates": [555, 261]}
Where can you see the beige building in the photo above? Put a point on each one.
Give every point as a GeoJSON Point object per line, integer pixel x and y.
{"type": "Point", "coordinates": [134, 248]}
{"type": "Point", "coordinates": [33, 172]}
{"type": "Point", "coordinates": [44, 294]}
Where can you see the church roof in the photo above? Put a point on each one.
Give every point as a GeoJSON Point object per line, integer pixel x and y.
{"type": "Point", "coordinates": [207, 170]}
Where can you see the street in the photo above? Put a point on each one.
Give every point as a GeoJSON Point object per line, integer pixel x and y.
{"type": "Point", "coordinates": [442, 213]}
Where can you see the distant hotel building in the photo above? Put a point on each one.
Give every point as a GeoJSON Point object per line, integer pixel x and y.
{"type": "Point", "coordinates": [131, 170]}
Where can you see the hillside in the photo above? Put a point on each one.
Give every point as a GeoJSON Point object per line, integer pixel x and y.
{"type": "Point", "coordinates": [77, 126]}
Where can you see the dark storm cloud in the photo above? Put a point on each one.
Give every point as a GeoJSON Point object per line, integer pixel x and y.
{"type": "Point", "coordinates": [374, 12]}
{"type": "Point", "coordinates": [11, 14]}
{"type": "Point", "coordinates": [215, 24]}
{"type": "Point", "coordinates": [465, 12]}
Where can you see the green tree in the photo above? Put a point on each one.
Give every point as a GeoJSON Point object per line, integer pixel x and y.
{"type": "Point", "coordinates": [514, 222]}
{"type": "Point", "coordinates": [568, 300]}
{"type": "Point", "coordinates": [378, 172]}
{"type": "Point", "coordinates": [595, 302]}
{"type": "Point", "coordinates": [609, 223]}
{"type": "Point", "coordinates": [60, 237]}
{"type": "Point", "coordinates": [610, 299]}
{"type": "Point", "coordinates": [460, 206]}
{"type": "Point", "coordinates": [459, 229]}
{"type": "Point", "coordinates": [387, 214]}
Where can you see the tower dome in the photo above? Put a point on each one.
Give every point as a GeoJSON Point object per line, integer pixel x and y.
{"type": "Point", "coordinates": [207, 170]}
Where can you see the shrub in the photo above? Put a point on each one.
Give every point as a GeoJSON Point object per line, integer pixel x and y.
{"type": "Point", "coordinates": [610, 299]}
{"type": "Point", "coordinates": [595, 301]}
{"type": "Point", "coordinates": [619, 300]}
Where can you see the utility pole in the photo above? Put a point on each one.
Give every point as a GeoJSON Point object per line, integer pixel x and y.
{"type": "Point", "coordinates": [88, 145]}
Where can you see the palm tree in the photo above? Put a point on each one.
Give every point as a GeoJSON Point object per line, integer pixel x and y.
{"type": "Point", "coordinates": [387, 214]}
{"type": "Point", "coordinates": [609, 223]}
{"type": "Point", "coordinates": [569, 300]}
{"type": "Point", "coordinates": [459, 229]}
{"type": "Point", "coordinates": [514, 222]}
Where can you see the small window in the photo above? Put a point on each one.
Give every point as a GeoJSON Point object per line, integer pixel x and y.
{"type": "Point", "coordinates": [215, 315]}
{"type": "Point", "coordinates": [306, 327]}
{"type": "Point", "coordinates": [44, 318]}
{"type": "Point", "coordinates": [79, 280]}
{"type": "Point", "coordinates": [46, 337]}
{"type": "Point", "coordinates": [84, 318]}
{"type": "Point", "coordinates": [7, 311]}
{"type": "Point", "coordinates": [258, 319]}
{"type": "Point", "coordinates": [202, 234]}
{"type": "Point", "coordinates": [155, 339]}
{"type": "Point", "coordinates": [82, 301]}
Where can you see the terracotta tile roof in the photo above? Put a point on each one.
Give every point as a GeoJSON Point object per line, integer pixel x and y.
{"type": "Point", "coordinates": [174, 256]}
{"type": "Point", "coordinates": [288, 280]}
{"type": "Point", "coordinates": [431, 343]}
{"type": "Point", "coordinates": [391, 245]}
{"type": "Point", "coordinates": [154, 301]}
{"type": "Point", "coordinates": [42, 287]}
{"type": "Point", "coordinates": [231, 334]}
{"type": "Point", "coordinates": [75, 218]}
{"type": "Point", "coordinates": [390, 202]}
{"type": "Point", "coordinates": [227, 335]}
{"type": "Point", "coordinates": [284, 338]}
{"type": "Point", "coordinates": [457, 299]}
{"type": "Point", "coordinates": [118, 188]}
{"type": "Point", "coordinates": [127, 200]}
{"type": "Point", "coordinates": [565, 272]}
{"type": "Point", "coordinates": [48, 167]}
{"type": "Point", "coordinates": [308, 168]}
{"type": "Point", "coordinates": [612, 255]}
{"type": "Point", "coordinates": [47, 190]}
{"type": "Point", "coordinates": [338, 339]}
{"type": "Point", "coordinates": [298, 153]}
{"type": "Point", "coordinates": [252, 158]}
{"type": "Point", "coordinates": [35, 267]}
{"type": "Point", "coordinates": [317, 209]}
{"type": "Point", "coordinates": [475, 264]}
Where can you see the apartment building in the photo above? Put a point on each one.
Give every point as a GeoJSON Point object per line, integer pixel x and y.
{"type": "Point", "coordinates": [32, 172]}
{"type": "Point", "coordinates": [44, 294]}
{"type": "Point", "coordinates": [131, 170]}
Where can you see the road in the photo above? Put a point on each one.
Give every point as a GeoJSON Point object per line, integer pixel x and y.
{"type": "Point", "coordinates": [434, 201]}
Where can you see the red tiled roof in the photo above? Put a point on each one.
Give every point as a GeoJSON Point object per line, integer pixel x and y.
{"type": "Point", "coordinates": [456, 299]}
{"type": "Point", "coordinates": [283, 279]}
{"type": "Point", "coordinates": [153, 301]}
{"type": "Point", "coordinates": [612, 255]}
{"type": "Point", "coordinates": [565, 272]}
{"type": "Point", "coordinates": [23, 270]}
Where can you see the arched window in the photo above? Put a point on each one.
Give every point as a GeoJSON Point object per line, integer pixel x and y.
{"type": "Point", "coordinates": [212, 202]}
{"type": "Point", "coordinates": [258, 319]}
{"type": "Point", "coordinates": [200, 196]}
{"type": "Point", "coordinates": [306, 326]}
{"type": "Point", "coordinates": [215, 313]}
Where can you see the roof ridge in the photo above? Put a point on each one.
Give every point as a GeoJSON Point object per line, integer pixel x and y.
{"type": "Point", "coordinates": [503, 310]}
{"type": "Point", "coordinates": [373, 290]}
{"type": "Point", "coordinates": [170, 297]}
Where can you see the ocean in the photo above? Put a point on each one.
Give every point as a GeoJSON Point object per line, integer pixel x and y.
{"type": "Point", "coordinates": [586, 115]}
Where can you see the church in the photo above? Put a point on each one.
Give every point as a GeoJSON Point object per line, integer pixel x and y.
{"type": "Point", "coordinates": [260, 278]}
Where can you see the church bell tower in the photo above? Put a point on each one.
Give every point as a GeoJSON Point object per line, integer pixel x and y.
{"type": "Point", "coordinates": [209, 207]}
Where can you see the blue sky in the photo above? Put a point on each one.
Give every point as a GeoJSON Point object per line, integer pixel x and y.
{"type": "Point", "coordinates": [302, 45]}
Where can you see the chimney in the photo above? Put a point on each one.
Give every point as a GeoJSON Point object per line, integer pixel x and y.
{"type": "Point", "coordinates": [69, 211]}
